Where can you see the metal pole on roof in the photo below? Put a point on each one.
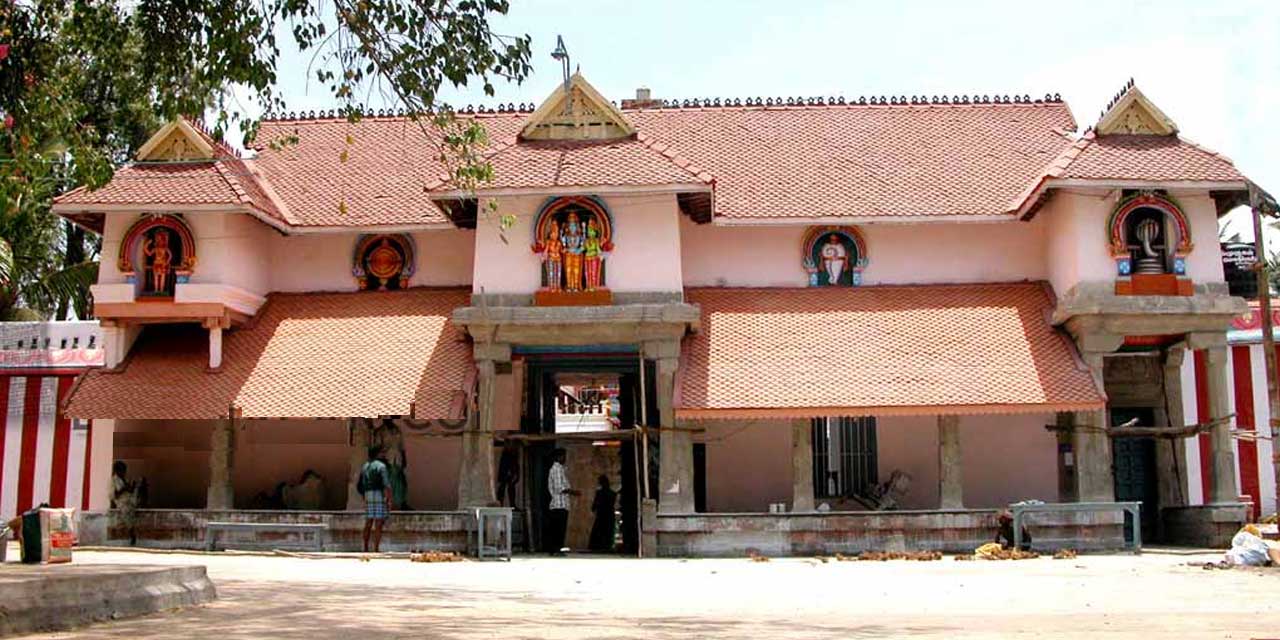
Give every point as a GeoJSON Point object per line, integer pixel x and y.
{"type": "Point", "coordinates": [1261, 203]}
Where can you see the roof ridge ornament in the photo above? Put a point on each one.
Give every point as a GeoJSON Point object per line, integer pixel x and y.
{"type": "Point", "coordinates": [1130, 113]}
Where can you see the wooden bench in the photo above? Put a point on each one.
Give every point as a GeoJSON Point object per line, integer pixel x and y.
{"type": "Point", "coordinates": [1020, 510]}
{"type": "Point", "coordinates": [212, 528]}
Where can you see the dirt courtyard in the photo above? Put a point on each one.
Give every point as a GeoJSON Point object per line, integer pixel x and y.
{"type": "Point", "coordinates": [1153, 595]}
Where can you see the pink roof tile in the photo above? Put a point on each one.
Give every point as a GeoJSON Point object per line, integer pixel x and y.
{"type": "Point", "coordinates": [956, 349]}
{"type": "Point", "coordinates": [1153, 158]}
{"type": "Point", "coordinates": [625, 162]}
{"type": "Point", "coordinates": [305, 356]}
{"type": "Point", "coordinates": [193, 183]}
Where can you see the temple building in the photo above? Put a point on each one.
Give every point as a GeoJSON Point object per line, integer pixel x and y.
{"type": "Point", "coordinates": [784, 325]}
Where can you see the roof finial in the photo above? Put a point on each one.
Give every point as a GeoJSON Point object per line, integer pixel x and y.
{"type": "Point", "coordinates": [562, 54]}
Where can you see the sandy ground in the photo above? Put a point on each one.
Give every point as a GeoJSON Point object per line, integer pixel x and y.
{"type": "Point", "coordinates": [1153, 595]}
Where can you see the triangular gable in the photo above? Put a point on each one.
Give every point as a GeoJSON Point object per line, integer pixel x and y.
{"type": "Point", "coordinates": [576, 111]}
{"type": "Point", "coordinates": [177, 140]}
{"type": "Point", "coordinates": [1132, 113]}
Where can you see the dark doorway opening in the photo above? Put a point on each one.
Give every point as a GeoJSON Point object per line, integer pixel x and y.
{"type": "Point", "coordinates": [588, 405]}
{"type": "Point", "coordinates": [1134, 470]}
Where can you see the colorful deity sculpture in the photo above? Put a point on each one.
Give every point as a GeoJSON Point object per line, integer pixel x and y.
{"type": "Point", "coordinates": [161, 259]}
{"type": "Point", "coordinates": [835, 259]}
{"type": "Point", "coordinates": [572, 239]}
{"type": "Point", "coordinates": [552, 256]}
{"type": "Point", "coordinates": [592, 250]}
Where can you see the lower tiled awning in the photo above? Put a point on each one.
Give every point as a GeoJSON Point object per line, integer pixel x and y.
{"type": "Point", "coordinates": [884, 350]}
{"type": "Point", "coordinates": [331, 355]}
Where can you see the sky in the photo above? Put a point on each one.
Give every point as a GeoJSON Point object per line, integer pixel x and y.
{"type": "Point", "coordinates": [1211, 66]}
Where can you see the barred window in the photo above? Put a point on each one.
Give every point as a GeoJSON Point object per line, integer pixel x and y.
{"type": "Point", "coordinates": [844, 457]}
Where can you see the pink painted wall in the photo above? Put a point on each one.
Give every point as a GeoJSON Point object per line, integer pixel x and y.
{"type": "Point", "coordinates": [898, 253]}
{"type": "Point", "coordinates": [646, 256]}
{"type": "Point", "coordinates": [174, 457]}
{"type": "Point", "coordinates": [748, 464]}
{"type": "Point", "coordinates": [231, 248]}
{"type": "Point", "coordinates": [322, 262]}
{"type": "Point", "coordinates": [1078, 246]}
{"type": "Point", "coordinates": [1004, 459]}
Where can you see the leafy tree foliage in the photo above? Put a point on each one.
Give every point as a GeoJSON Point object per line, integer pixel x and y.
{"type": "Point", "coordinates": [83, 82]}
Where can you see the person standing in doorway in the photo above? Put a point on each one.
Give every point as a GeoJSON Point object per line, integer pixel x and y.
{"type": "Point", "coordinates": [558, 513]}
{"type": "Point", "coordinates": [602, 531]}
{"type": "Point", "coordinates": [374, 483]}
{"type": "Point", "coordinates": [508, 473]}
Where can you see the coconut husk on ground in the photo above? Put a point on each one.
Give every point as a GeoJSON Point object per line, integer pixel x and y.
{"type": "Point", "coordinates": [435, 556]}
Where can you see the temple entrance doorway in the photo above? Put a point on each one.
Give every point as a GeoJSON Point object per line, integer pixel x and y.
{"type": "Point", "coordinates": [1134, 462]}
{"type": "Point", "coordinates": [587, 405]}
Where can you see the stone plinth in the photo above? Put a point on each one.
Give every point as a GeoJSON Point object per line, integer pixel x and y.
{"type": "Point", "coordinates": [951, 531]}
{"type": "Point", "coordinates": [59, 597]}
{"type": "Point", "coordinates": [1210, 525]}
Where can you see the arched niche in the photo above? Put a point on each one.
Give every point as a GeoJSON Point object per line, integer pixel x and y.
{"type": "Point", "coordinates": [383, 261]}
{"type": "Point", "coordinates": [1149, 235]}
{"type": "Point", "coordinates": [157, 253]}
{"type": "Point", "coordinates": [574, 259]}
{"type": "Point", "coordinates": [834, 256]}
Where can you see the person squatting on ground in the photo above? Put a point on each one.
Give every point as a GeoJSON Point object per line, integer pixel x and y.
{"type": "Point", "coordinates": [558, 511]}
{"type": "Point", "coordinates": [1004, 535]}
{"type": "Point", "coordinates": [374, 483]}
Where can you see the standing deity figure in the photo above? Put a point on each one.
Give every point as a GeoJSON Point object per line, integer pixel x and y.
{"type": "Point", "coordinates": [552, 256]}
{"type": "Point", "coordinates": [835, 259]}
{"type": "Point", "coordinates": [592, 249]}
{"type": "Point", "coordinates": [572, 238]}
{"type": "Point", "coordinates": [161, 259]}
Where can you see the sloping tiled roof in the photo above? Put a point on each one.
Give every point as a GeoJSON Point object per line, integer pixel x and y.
{"type": "Point", "coordinates": [766, 162]}
{"type": "Point", "coordinates": [940, 349]}
{"type": "Point", "coordinates": [390, 165]}
{"type": "Point", "coordinates": [1146, 157]}
{"type": "Point", "coordinates": [590, 163]}
{"type": "Point", "coordinates": [860, 161]}
{"type": "Point", "coordinates": [188, 183]}
{"type": "Point", "coordinates": [866, 161]}
{"type": "Point", "coordinates": [306, 356]}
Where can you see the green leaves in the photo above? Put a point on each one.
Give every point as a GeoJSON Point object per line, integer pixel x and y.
{"type": "Point", "coordinates": [86, 82]}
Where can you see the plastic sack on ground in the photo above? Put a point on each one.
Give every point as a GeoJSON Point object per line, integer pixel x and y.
{"type": "Point", "coordinates": [1247, 549]}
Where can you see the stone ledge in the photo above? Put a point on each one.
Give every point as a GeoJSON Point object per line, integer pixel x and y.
{"type": "Point", "coordinates": [59, 597]}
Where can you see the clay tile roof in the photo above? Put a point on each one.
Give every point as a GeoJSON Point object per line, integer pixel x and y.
{"type": "Point", "coordinates": [390, 166]}
{"type": "Point", "coordinates": [1154, 158]}
{"type": "Point", "coordinates": [941, 349]}
{"type": "Point", "coordinates": [863, 160]}
{"type": "Point", "coordinates": [188, 183]}
{"type": "Point", "coordinates": [306, 356]}
{"type": "Point", "coordinates": [624, 162]}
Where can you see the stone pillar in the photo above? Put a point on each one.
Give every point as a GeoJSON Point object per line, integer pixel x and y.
{"type": "Point", "coordinates": [221, 464]}
{"type": "Point", "coordinates": [802, 465]}
{"type": "Point", "coordinates": [476, 473]}
{"type": "Point", "coordinates": [215, 347]}
{"type": "Point", "coordinates": [1224, 489]}
{"type": "Point", "coordinates": [1171, 453]}
{"type": "Point", "coordinates": [101, 441]}
{"type": "Point", "coordinates": [950, 480]}
{"type": "Point", "coordinates": [1090, 443]}
{"type": "Point", "coordinates": [675, 454]}
{"type": "Point", "coordinates": [358, 455]}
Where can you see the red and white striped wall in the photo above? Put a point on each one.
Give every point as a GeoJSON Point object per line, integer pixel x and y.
{"type": "Point", "coordinates": [44, 456]}
{"type": "Point", "coordinates": [1255, 475]}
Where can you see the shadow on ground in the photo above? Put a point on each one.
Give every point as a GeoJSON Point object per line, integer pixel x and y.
{"type": "Point", "coordinates": [312, 611]}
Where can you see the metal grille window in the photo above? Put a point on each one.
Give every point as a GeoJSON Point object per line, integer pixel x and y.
{"type": "Point", "coordinates": [844, 456]}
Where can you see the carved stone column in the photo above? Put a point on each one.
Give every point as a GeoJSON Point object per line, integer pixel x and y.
{"type": "Point", "coordinates": [358, 455]}
{"type": "Point", "coordinates": [221, 493]}
{"type": "Point", "coordinates": [675, 455]}
{"type": "Point", "coordinates": [1224, 490]}
{"type": "Point", "coordinates": [1090, 442]}
{"type": "Point", "coordinates": [476, 473]}
{"type": "Point", "coordinates": [950, 478]}
{"type": "Point", "coordinates": [802, 465]}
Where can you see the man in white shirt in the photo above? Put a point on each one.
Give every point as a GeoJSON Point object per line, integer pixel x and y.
{"type": "Point", "coordinates": [558, 511]}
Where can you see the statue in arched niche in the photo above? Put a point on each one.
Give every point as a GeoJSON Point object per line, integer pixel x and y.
{"type": "Point", "coordinates": [573, 237]}
{"type": "Point", "coordinates": [834, 256]}
{"type": "Point", "coordinates": [159, 258]}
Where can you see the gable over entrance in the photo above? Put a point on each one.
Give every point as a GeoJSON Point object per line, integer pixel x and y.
{"type": "Point", "coordinates": [576, 111]}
